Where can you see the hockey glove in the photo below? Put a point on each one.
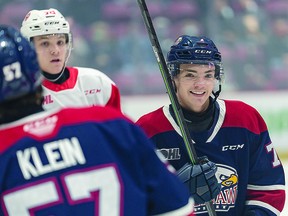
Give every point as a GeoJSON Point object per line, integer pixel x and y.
{"type": "Point", "coordinates": [200, 180]}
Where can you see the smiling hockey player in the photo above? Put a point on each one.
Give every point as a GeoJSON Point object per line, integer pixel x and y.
{"type": "Point", "coordinates": [231, 134]}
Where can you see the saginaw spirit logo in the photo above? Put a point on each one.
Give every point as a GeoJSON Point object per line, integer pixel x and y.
{"type": "Point", "coordinates": [226, 199]}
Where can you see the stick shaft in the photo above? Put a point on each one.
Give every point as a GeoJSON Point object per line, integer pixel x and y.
{"type": "Point", "coordinates": [170, 90]}
{"type": "Point", "coordinates": [168, 82]}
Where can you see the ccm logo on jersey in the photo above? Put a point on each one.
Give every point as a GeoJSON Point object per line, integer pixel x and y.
{"type": "Point", "coordinates": [232, 147]}
{"type": "Point", "coordinates": [92, 91]}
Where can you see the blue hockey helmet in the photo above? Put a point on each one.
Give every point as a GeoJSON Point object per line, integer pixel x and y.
{"type": "Point", "coordinates": [194, 50]}
{"type": "Point", "coordinates": [19, 70]}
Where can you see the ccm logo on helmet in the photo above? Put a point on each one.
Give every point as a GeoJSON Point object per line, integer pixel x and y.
{"type": "Point", "coordinates": [52, 23]}
{"type": "Point", "coordinates": [203, 51]}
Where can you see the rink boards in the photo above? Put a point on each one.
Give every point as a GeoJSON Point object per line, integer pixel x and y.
{"type": "Point", "coordinates": [272, 105]}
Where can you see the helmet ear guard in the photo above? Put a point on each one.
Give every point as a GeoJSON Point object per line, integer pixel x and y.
{"type": "Point", "coordinates": [219, 73]}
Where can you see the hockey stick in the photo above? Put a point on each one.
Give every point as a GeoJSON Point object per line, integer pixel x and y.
{"type": "Point", "coordinates": [170, 90]}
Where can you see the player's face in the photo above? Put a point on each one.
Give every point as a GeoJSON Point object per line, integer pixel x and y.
{"type": "Point", "coordinates": [194, 84]}
{"type": "Point", "coordinates": [51, 52]}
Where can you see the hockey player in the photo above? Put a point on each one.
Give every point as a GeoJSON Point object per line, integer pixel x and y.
{"type": "Point", "coordinates": [230, 133]}
{"type": "Point", "coordinates": [70, 161]}
{"type": "Point", "coordinates": [65, 86]}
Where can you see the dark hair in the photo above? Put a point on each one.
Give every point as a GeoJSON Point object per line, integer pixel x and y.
{"type": "Point", "coordinates": [14, 109]}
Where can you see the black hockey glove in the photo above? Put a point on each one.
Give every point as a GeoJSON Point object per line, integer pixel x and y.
{"type": "Point", "coordinates": [200, 180]}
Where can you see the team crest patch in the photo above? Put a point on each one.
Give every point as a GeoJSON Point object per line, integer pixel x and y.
{"type": "Point", "coordinates": [228, 178]}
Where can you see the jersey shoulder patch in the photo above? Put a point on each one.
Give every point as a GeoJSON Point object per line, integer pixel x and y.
{"type": "Point", "coordinates": [240, 114]}
{"type": "Point", "coordinates": [47, 124]}
{"type": "Point", "coordinates": [154, 123]}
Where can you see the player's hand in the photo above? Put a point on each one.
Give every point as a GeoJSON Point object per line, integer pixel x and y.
{"type": "Point", "coordinates": [200, 180]}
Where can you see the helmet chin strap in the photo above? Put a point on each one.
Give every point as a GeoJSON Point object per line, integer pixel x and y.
{"type": "Point", "coordinates": [217, 93]}
{"type": "Point", "coordinates": [58, 77]}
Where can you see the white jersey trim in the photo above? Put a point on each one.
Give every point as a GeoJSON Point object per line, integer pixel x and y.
{"type": "Point", "coordinates": [171, 119]}
{"type": "Point", "coordinates": [216, 129]}
{"type": "Point", "coordinates": [220, 120]}
{"type": "Point", "coordinates": [265, 188]}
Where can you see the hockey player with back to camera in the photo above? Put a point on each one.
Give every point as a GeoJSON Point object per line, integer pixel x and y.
{"type": "Point", "coordinates": [230, 133]}
{"type": "Point", "coordinates": [65, 86]}
{"type": "Point", "coordinates": [52, 164]}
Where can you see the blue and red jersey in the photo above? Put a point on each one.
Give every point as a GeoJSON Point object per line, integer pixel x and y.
{"type": "Point", "coordinates": [84, 161]}
{"type": "Point", "coordinates": [249, 170]}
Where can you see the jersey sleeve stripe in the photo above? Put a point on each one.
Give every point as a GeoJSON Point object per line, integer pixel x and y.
{"type": "Point", "coordinates": [264, 205]}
